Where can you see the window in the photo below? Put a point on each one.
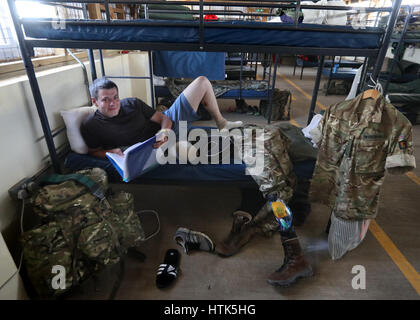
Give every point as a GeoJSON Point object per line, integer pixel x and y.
{"type": "Point", "coordinates": [9, 48]}
{"type": "Point", "coordinates": [9, 45]}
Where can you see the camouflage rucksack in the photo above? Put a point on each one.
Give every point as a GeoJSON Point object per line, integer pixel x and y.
{"type": "Point", "coordinates": [81, 230]}
{"type": "Point", "coordinates": [282, 100]}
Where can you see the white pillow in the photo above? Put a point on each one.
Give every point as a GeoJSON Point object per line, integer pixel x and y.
{"type": "Point", "coordinates": [73, 119]}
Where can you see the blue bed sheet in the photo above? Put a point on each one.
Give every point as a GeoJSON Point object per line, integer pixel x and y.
{"type": "Point", "coordinates": [199, 172]}
{"type": "Point", "coordinates": [340, 74]}
{"type": "Point", "coordinates": [245, 94]}
{"type": "Point", "coordinates": [238, 32]}
{"type": "Point", "coordinates": [181, 64]}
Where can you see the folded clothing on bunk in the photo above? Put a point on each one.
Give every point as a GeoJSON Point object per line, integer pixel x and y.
{"type": "Point", "coordinates": [176, 86]}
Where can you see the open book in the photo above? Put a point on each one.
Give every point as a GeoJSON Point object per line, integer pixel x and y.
{"type": "Point", "coordinates": [137, 159]}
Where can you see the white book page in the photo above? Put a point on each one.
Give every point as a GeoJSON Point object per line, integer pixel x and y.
{"type": "Point", "coordinates": [132, 147]}
{"type": "Point", "coordinates": [119, 160]}
{"type": "Point", "coordinates": [140, 143]}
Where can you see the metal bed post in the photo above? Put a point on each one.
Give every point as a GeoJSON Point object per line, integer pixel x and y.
{"type": "Point", "coordinates": [84, 10]}
{"type": "Point", "coordinates": [297, 13]}
{"type": "Point", "coordinates": [146, 11]}
{"type": "Point", "coordinates": [270, 57]}
{"type": "Point", "coordinates": [271, 92]}
{"type": "Point", "coordinates": [270, 61]}
{"type": "Point", "coordinates": [316, 88]}
{"type": "Point", "coordinates": [240, 76]}
{"type": "Point", "coordinates": [363, 75]}
{"type": "Point", "coordinates": [90, 51]}
{"type": "Point", "coordinates": [92, 64]}
{"type": "Point", "coordinates": [152, 86]}
{"type": "Point", "coordinates": [34, 87]}
{"type": "Point", "coordinates": [101, 59]}
{"type": "Point", "coordinates": [295, 65]}
{"type": "Point", "coordinates": [385, 43]}
{"type": "Point", "coordinates": [265, 60]}
{"type": "Point", "coordinates": [257, 58]}
{"type": "Point", "coordinates": [107, 13]}
{"type": "Point", "coordinates": [201, 25]}
{"type": "Point", "coordinates": [330, 75]}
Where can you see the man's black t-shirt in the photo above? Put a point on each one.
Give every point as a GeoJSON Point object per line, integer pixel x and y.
{"type": "Point", "coordinates": [131, 125]}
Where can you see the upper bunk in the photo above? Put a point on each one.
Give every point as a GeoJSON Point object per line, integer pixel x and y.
{"type": "Point", "coordinates": [216, 36]}
{"type": "Point", "coordinates": [407, 26]}
{"type": "Point", "coordinates": [233, 32]}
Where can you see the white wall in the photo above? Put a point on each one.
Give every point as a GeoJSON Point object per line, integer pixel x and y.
{"type": "Point", "coordinates": [24, 151]}
{"type": "Point", "coordinates": [10, 283]}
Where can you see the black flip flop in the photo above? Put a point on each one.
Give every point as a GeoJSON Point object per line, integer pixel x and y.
{"type": "Point", "coordinates": [168, 270]}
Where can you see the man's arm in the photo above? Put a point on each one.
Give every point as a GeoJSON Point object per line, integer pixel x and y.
{"type": "Point", "coordinates": [165, 123]}
{"type": "Point", "coordinates": [100, 153]}
{"type": "Point", "coordinates": [160, 118]}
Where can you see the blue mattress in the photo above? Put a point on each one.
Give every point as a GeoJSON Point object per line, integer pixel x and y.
{"type": "Point", "coordinates": [232, 173]}
{"type": "Point", "coordinates": [169, 172]}
{"type": "Point", "coordinates": [226, 32]}
{"type": "Point", "coordinates": [199, 172]}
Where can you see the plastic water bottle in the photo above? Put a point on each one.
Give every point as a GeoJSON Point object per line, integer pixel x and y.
{"type": "Point", "coordinates": [282, 213]}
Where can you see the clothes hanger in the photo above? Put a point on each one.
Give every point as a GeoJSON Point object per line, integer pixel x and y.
{"type": "Point", "coordinates": [374, 93]}
{"type": "Point", "coordinates": [371, 93]}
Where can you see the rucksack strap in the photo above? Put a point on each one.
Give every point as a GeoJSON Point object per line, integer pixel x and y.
{"type": "Point", "coordinates": [94, 188]}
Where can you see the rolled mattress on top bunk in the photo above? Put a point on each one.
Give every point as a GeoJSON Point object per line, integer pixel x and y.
{"type": "Point", "coordinates": [236, 33]}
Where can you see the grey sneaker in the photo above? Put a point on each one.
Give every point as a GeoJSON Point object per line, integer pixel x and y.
{"type": "Point", "coordinates": [193, 240]}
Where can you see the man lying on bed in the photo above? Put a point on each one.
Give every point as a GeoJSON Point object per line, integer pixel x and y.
{"type": "Point", "coordinates": [118, 123]}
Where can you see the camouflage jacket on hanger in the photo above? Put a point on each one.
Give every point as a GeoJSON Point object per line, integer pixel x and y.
{"type": "Point", "coordinates": [358, 139]}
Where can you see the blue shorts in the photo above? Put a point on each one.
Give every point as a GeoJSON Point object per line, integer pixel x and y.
{"type": "Point", "coordinates": [181, 110]}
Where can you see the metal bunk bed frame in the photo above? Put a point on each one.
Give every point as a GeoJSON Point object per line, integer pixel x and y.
{"type": "Point", "coordinates": [27, 45]}
{"type": "Point", "coordinates": [400, 43]}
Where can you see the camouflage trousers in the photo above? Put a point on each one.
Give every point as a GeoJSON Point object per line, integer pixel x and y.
{"type": "Point", "coordinates": [276, 179]}
{"type": "Point", "coordinates": [271, 146]}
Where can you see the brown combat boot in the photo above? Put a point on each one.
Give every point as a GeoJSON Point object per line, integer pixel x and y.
{"type": "Point", "coordinates": [240, 234]}
{"type": "Point", "coordinates": [294, 266]}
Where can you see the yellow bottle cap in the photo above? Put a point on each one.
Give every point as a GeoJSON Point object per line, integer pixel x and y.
{"type": "Point", "coordinates": [279, 209]}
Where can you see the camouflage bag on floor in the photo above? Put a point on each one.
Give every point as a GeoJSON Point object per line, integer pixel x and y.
{"type": "Point", "coordinates": [81, 232]}
{"type": "Point", "coordinates": [282, 100]}
{"type": "Point", "coordinates": [338, 87]}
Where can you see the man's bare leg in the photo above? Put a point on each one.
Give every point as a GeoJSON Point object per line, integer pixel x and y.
{"type": "Point", "coordinates": [201, 90]}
